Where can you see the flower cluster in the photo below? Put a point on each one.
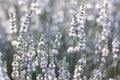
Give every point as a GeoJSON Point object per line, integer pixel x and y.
{"type": "Point", "coordinates": [3, 70]}
{"type": "Point", "coordinates": [50, 44]}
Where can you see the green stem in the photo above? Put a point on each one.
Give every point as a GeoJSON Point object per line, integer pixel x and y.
{"type": "Point", "coordinates": [115, 69]}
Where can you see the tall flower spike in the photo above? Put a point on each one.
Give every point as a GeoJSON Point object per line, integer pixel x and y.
{"type": "Point", "coordinates": [12, 16]}
{"type": "Point", "coordinates": [81, 27]}
{"type": "Point", "coordinates": [42, 54]}
{"type": "Point", "coordinates": [105, 21]}
{"type": "Point", "coordinates": [39, 77]}
{"type": "Point", "coordinates": [79, 69]}
{"type": "Point", "coordinates": [31, 55]}
{"type": "Point", "coordinates": [26, 21]}
{"type": "Point", "coordinates": [73, 32]}
{"type": "Point", "coordinates": [56, 43]}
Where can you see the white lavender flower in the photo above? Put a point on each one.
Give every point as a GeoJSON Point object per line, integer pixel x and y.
{"type": "Point", "coordinates": [12, 16]}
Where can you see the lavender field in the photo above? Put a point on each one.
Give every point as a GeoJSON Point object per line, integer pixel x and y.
{"type": "Point", "coordinates": [59, 39]}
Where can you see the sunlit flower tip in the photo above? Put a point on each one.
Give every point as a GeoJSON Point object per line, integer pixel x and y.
{"type": "Point", "coordinates": [14, 43]}
{"type": "Point", "coordinates": [70, 50]}
{"type": "Point", "coordinates": [76, 49]}
{"type": "Point", "coordinates": [41, 43]}
{"type": "Point", "coordinates": [115, 56]}
{"type": "Point", "coordinates": [98, 20]}
{"type": "Point", "coordinates": [12, 12]}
